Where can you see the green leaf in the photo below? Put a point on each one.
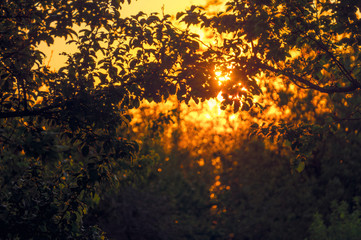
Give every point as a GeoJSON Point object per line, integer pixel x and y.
{"type": "Point", "coordinates": [300, 167]}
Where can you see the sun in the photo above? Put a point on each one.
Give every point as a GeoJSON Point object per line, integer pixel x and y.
{"type": "Point", "coordinates": [223, 74]}
{"type": "Point", "coordinates": [222, 77]}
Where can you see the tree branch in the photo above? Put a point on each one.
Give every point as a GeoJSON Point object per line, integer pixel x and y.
{"type": "Point", "coordinates": [293, 77]}
{"type": "Point", "coordinates": [34, 112]}
{"type": "Point", "coordinates": [333, 57]}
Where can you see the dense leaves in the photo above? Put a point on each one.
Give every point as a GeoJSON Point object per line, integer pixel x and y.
{"type": "Point", "coordinates": [68, 143]}
{"type": "Point", "coordinates": [64, 132]}
{"type": "Point", "coordinates": [315, 45]}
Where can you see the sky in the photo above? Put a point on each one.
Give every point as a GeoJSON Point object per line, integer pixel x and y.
{"type": "Point", "coordinates": [149, 6]}
{"type": "Point", "coordinates": [55, 60]}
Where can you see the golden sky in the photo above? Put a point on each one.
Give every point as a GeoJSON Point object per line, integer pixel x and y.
{"type": "Point", "coordinates": [149, 6]}
{"type": "Point", "coordinates": [55, 60]}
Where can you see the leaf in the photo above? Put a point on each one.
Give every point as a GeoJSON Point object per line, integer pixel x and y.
{"type": "Point", "coordinates": [300, 167]}
{"type": "Point", "coordinates": [152, 19]}
{"type": "Point", "coordinates": [85, 150]}
{"type": "Point", "coordinates": [179, 15]}
{"type": "Point", "coordinates": [133, 63]}
{"type": "Point", "coordinates": [237, 104]}
{"type": "Point", "coordinates": [245, 107]}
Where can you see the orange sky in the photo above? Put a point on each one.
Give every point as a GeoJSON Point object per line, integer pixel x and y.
{"type": "Point", "coordinates": [55, 60]}
{"type": "Point", "coordinates": [170, 6]}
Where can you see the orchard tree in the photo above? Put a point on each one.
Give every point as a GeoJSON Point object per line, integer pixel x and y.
{"type": "Point", "coordinates": [64, 133]}
{"type": "Point", "coordinates": [314, 45]}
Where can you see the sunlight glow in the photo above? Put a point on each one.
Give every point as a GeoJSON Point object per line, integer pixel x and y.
{"type": "Point", "coordinates": [220, 97]}
{"type": "Point", "coordinates": [201, 162]}
{"type": "Point", "coordinates": [223, 76]}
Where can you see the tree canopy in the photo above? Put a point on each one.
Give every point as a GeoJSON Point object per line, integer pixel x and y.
{"type": "Point", "coordinates": [313, 44]}
{"type": "Point", "coordinates": [65, 134]}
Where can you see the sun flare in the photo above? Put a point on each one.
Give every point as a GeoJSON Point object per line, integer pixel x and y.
{"type": "Point", "coordinates": [222, 77]}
